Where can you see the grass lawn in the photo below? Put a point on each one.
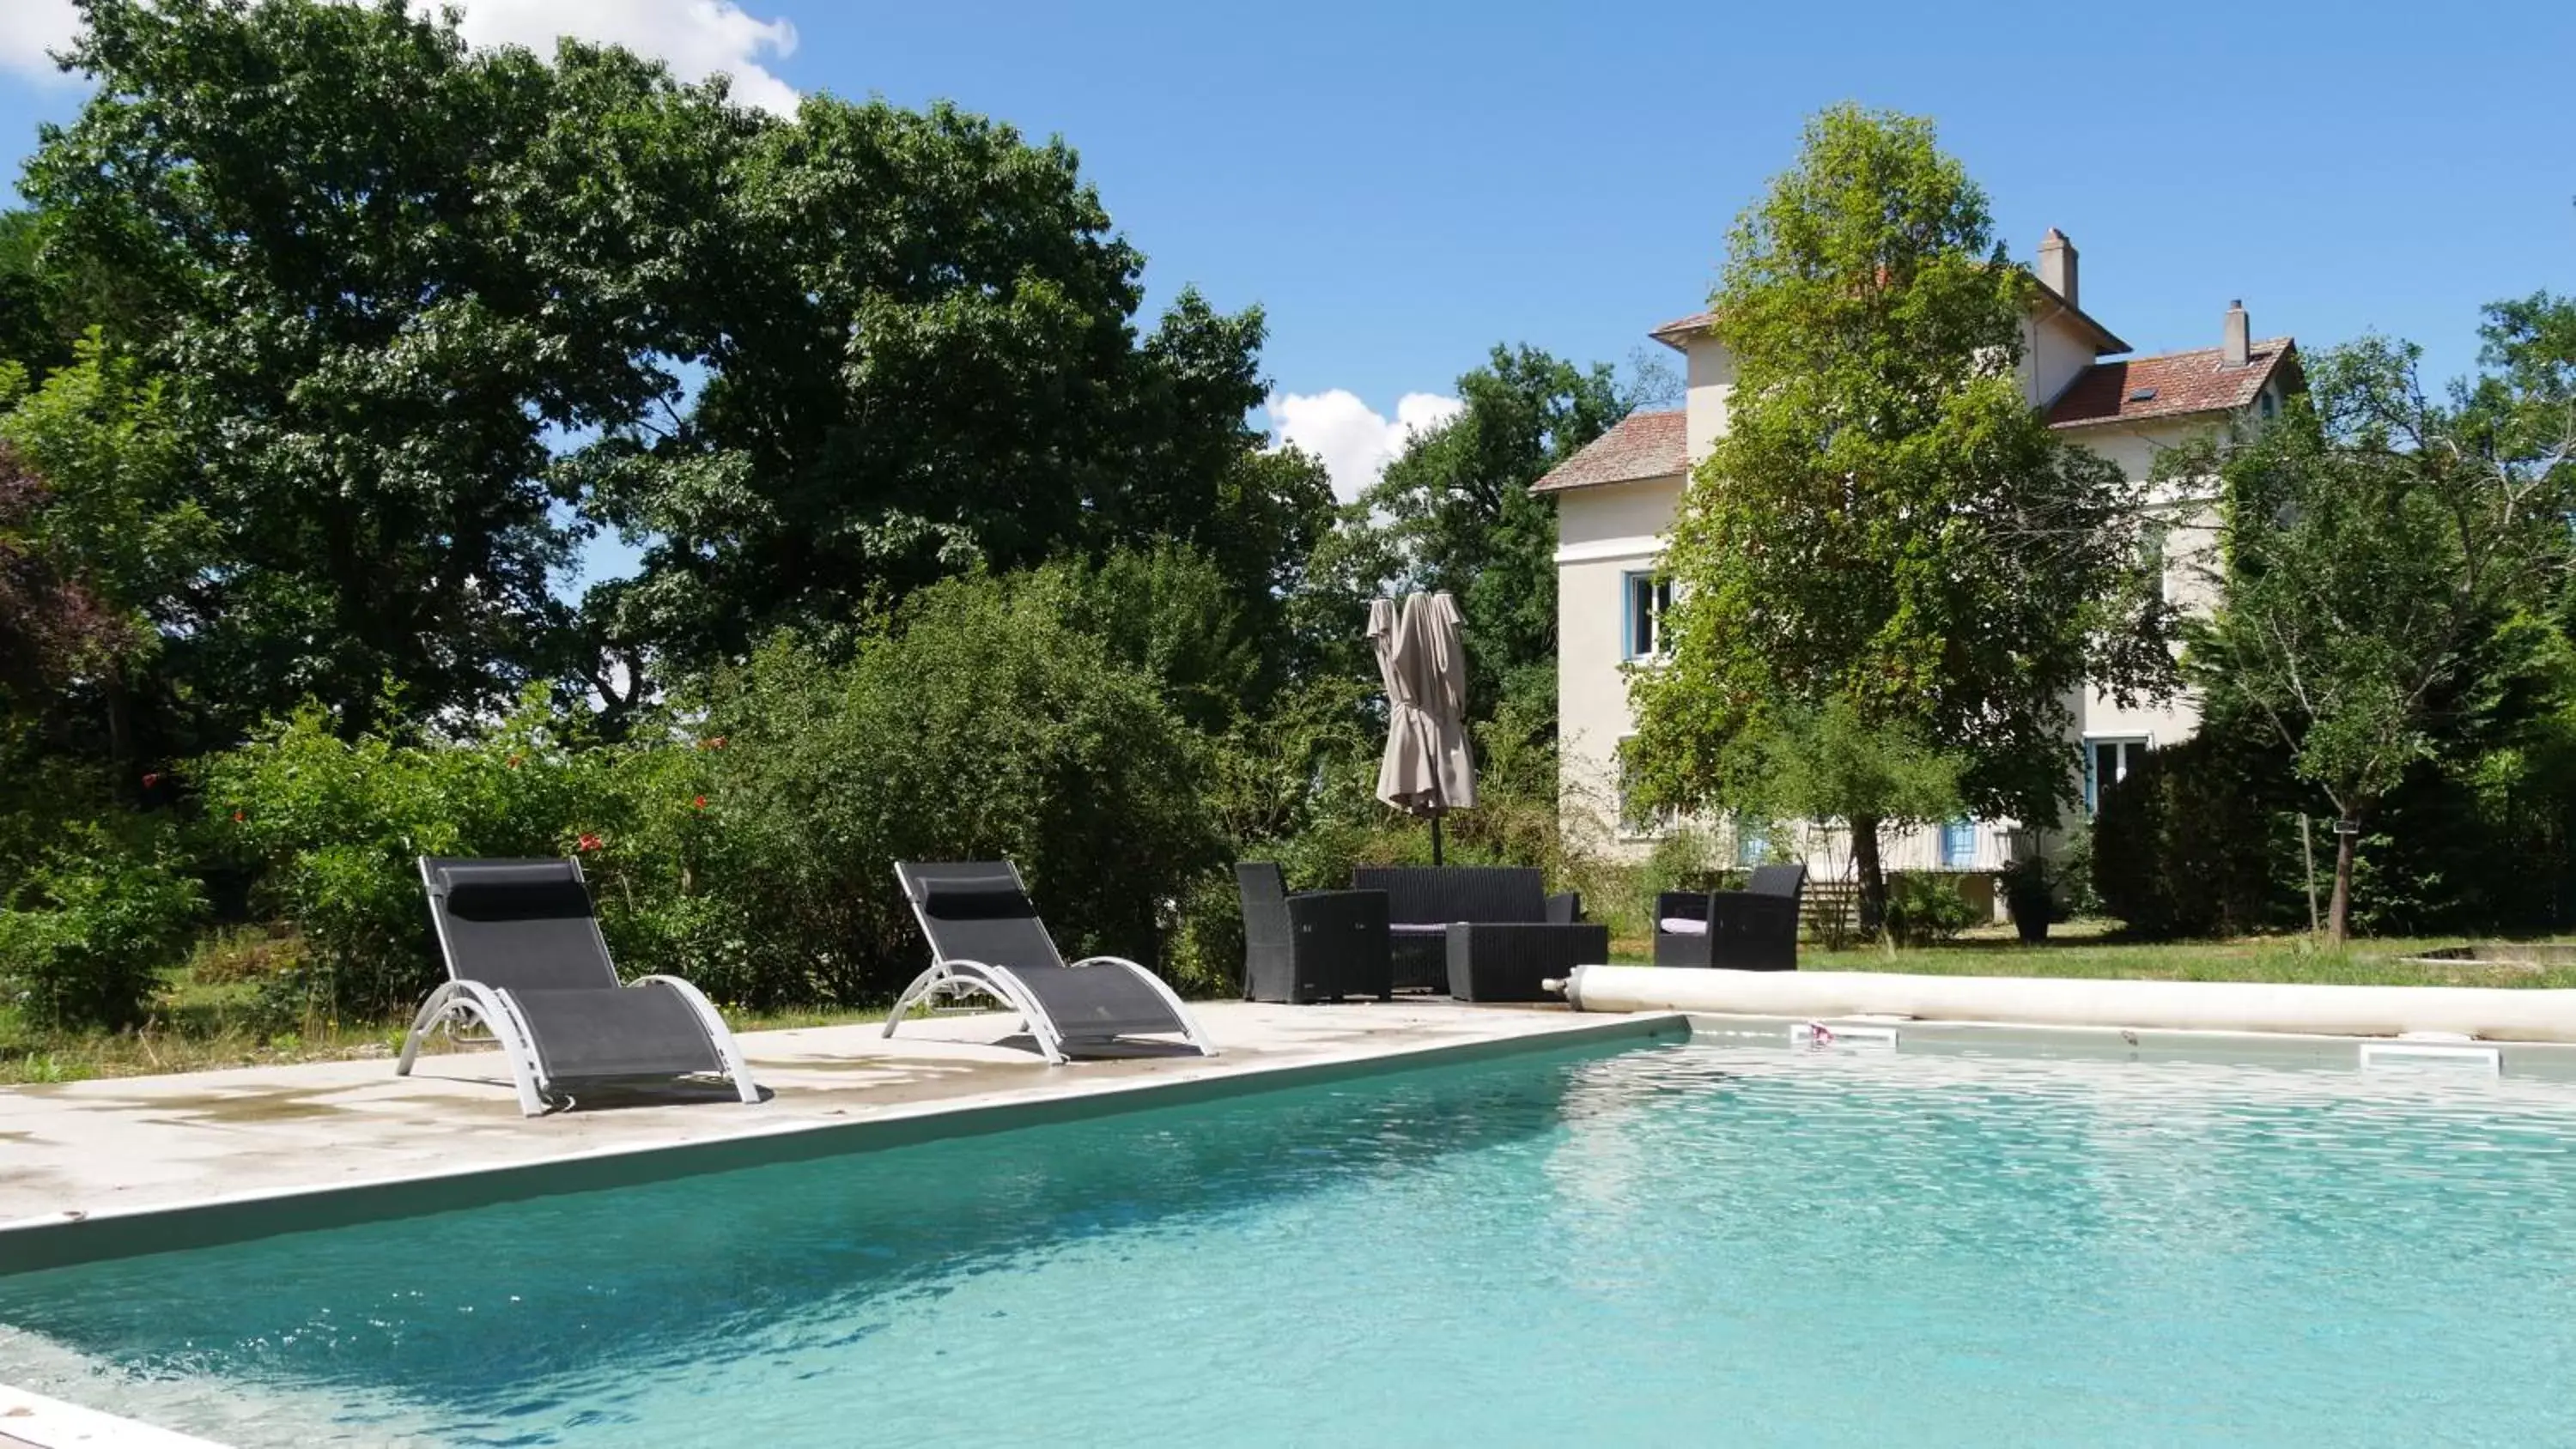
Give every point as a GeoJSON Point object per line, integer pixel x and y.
{"type": "Point", "coordinates": [203, 1025]}
{"type": "Point", "coordinates": [2082, 949]}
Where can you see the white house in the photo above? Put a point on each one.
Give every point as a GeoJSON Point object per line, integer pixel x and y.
{"type": "Point", "coordinates": [1616, 500]}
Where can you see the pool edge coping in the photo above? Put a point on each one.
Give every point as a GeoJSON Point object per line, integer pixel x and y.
{"type": "Point", "coordinates": [66, 1239]}
{"type": "Point", "coordinates": [28, 1417]}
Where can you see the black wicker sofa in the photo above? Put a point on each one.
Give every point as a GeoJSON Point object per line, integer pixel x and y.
{"type": "Point", "coordinates": [1482, 933]}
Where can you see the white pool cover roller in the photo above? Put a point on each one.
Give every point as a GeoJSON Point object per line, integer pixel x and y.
{"type": "Point", "coordinates": [2494, 1013]}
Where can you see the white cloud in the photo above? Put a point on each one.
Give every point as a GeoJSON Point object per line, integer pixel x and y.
{"type": "Point", "coordinates": [1355, 442]}
{"type": "Point", "coordinates": [29, 28]}
{"type": "Point", "coordinates": [699, 38]}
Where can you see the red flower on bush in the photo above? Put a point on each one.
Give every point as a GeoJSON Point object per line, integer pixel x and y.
{"type": "Point", "coordinates": [588, 842]}
{"type": "Point", "coordinates": [237, 817]}
{"type": "Point", "coordinates": [150, 780]}
{"type": "Point", "coordinates": [698, 804]}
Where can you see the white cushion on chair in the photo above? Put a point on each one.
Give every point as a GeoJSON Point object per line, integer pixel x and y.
{"type": "Point", "coordinates": [1681, 926]}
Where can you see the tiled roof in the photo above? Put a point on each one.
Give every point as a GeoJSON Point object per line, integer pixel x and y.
{"type": "Point", "coordinates": [1678, 333]}
{"type": "Point", "coordinates": [2171, 384]}
{"type": "Point", "coordinates": [1643, 445]}
{"type": "Point", "coordinates": [1681, 329]}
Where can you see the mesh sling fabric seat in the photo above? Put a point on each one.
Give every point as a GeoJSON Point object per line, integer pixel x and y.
{"type": "Point", "coordinates": [525, 960]}
{"type": "Point", "coordinates": [986, 940]}
{"type": "Point", "coordinates": [1754, 929]}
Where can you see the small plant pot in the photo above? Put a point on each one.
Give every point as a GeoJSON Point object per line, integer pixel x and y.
{"type": "Point", "coordinates": [2032, 908]}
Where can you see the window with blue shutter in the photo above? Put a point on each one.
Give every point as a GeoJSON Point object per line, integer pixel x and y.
{"type": "Point", "coordinates": [1752, 846]}
{"type": "Point", "coordinates": [2107, 761]}
{"type": "Point", "coordinates": [1644, 598]}
{"type": "Point", "coordinates": [1958, 844]}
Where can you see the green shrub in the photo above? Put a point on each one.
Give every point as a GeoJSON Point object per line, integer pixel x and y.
{"type": "Point", "coordinates": [977, 726]}
{"type": "Point", "coordinates": [2185, 844]}
{"type": "Point", "coordinates": [89, 931]}
{"type": "Point", "coordinates": [2427, 862]}
{"type": "Point", "coordinates": [2071, 874]}
{"type": "Point", "coordinates": [1922, 909]}
{"type": "Point", "coordinates": [338, 825]}
{"type": "Point", "coordinates": [753, 850]}
{"type": "Point", "coordinates": [1206, 955]}
{"type": "Point", "coordinates": [44, 799]}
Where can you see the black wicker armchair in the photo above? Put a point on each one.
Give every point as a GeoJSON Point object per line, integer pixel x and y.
{"type": "Point", "coordinates": [1312, 945]}
{"type": "Point", "coordinates": [1754, 929]}
{"type": "Point", "coordinates": [1483, 933]}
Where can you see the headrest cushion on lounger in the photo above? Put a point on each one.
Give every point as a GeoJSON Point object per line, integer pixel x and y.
{"type": "Point", "coordinates": [539, 891]}
{"type": "Point", "coordinates": [976, 900]}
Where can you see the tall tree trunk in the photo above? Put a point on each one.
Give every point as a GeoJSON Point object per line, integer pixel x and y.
{"type": "Point", "coordinates": [120, 723]}
{"type": "Point", "coordinates": [2308, 860]}
{"type": "Point", "coordinates": [2339, 906]}
{"type": "Point", "coordinates": [1873, 880]}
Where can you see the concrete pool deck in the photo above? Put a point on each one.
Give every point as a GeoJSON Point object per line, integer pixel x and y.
{"type": "Point", "coordinates": [125, 1164]}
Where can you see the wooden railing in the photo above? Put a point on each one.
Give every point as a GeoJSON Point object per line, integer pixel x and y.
{"type": "Point", "coordinates": [1830, 913]}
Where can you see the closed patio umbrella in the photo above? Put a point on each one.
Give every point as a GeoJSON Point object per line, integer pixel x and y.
{"type": "Point", "coordinates": [1422, 660]}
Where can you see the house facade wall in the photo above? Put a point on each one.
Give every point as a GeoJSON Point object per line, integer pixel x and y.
{"type": "Point", "coordinates": [2188, 515]}
{"type": "Point", "coordinates": [1603, 536]}
{"type": "Point", "coordinates": [1709, 372]}
{"type": "Point", "coordinates": [2054, 350]}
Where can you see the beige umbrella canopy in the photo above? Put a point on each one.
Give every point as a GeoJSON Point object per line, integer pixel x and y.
{"type": "Point", "coordinates": [1422, 660]}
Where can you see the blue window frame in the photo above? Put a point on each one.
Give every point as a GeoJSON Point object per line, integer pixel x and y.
{"type": "Point", "coordinates": [1642, 600]}
{"type": "Point", "coordinates": [2107, 761]}
{"type": "Point", "coordinates": [1958, 844]}
{"type": "Point", "coordinates": [1752, 843]}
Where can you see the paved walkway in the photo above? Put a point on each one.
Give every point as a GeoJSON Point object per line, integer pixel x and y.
{"type": "Point", "coordinates": [135, 1143]}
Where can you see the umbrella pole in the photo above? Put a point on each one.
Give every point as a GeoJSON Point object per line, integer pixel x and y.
{"type": "Point", "coordinates": [1435, 837]}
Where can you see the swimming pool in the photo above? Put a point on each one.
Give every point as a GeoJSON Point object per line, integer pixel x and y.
{"type": "Point", "coordinates": [1688, 1242]}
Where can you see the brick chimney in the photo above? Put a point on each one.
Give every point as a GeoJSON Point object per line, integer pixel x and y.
{"type": "Point", "coordinates": [2239, 348]}
{"type": "Point", "coordinates": [2057, 265]}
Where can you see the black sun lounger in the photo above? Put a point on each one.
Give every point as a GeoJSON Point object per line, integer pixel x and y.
{"type": "Point", "coordinates": [986, 939]}
{"type": "Point", "coordinates": [525, 960]}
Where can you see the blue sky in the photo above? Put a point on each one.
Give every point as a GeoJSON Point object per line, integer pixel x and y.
{"type": "Point", "coordinates": [1401, 186]}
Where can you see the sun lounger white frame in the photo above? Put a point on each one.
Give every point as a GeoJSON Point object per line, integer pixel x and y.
{"type": "Point", "coordinates": [950, 978]}
{"type": "Point", "coordinates": [458, 1001]}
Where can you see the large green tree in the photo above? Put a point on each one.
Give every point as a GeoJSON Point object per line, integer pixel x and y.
{"type": "Point", "coordinates": [430, 314]}
{"type": "Point", "coordinates": [924, 357]}
{"type": "Point", "coordinates": [1887, 534]}
{"type": "Point", "coordinates": [386, 274]}
{"type": "Point", "coordinates": [1453, 512]}
{"type": "Point", "coordinates": [2388, 562]}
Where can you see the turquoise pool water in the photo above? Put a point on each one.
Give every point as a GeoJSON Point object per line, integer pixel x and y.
{"type": "Point", "coordinates": [1675, 1244]}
